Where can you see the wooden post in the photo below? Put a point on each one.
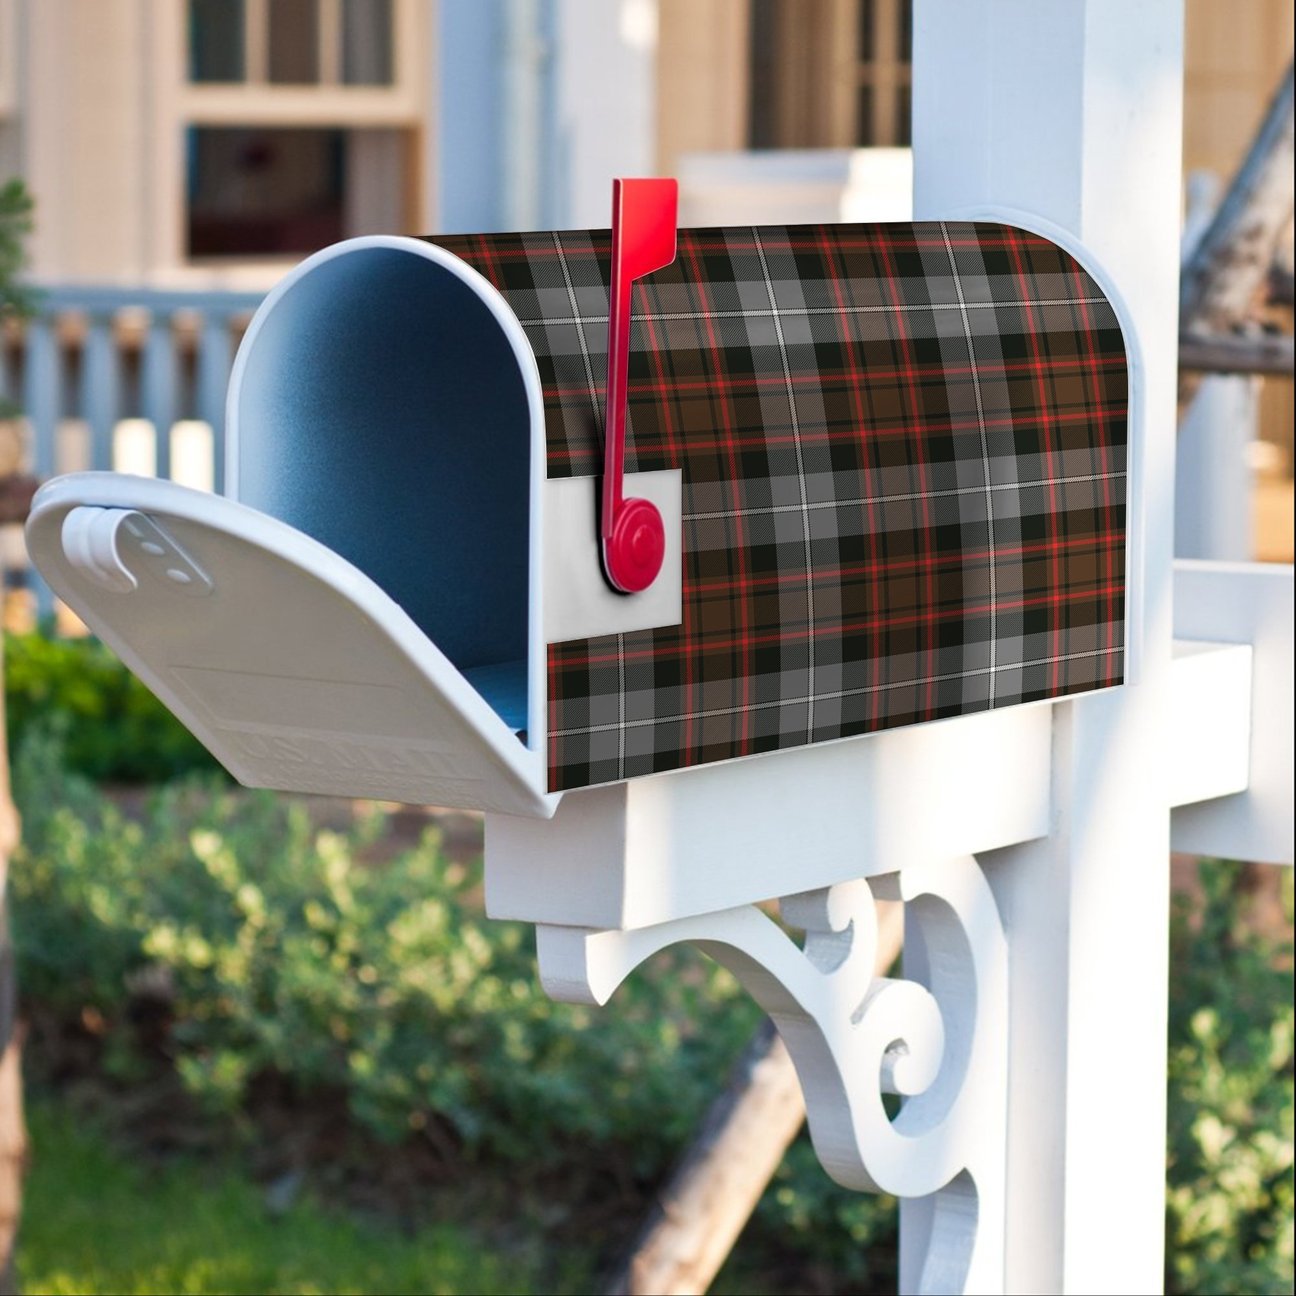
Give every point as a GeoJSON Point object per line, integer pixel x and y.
{"type": "Point", "coordinates": [1230, 266]}
{"type": "Point", "coordinates": [1214, 509]}
{"type": "Point", "coordinates": [1071, 114]}
{"type": "Point", "coordinates": [700, 1211]}
{"type": "Point", "coordinates": [698, 1215]}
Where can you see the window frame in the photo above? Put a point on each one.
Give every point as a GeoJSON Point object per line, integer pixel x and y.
{"type": "Point", "coordinates": [181, 103]}
{"type": "Point", "coordinates": [256, 100]}
{"type": "Point", "coordinates": [8, 57]}
{"type": "Point", "coordinates": [816, 90]}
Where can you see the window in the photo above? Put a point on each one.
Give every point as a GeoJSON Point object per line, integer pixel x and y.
{"type": "Point", "coordinates": [216, 49]}
{"type": "Point", "coordinates": [366, 42]}
{"type": "Point", "coordinates": [264, 192]}
{"type": "Point", "coordinates": [292, 42]}
{"type": "Point", "coordinates": [297, 123]}
{"type": "Point", "coordinates": [258, 192]}
{"type": "Point", "coordinates": [830, 73]}
{"type": "Point", "coordinates": [883, 70]}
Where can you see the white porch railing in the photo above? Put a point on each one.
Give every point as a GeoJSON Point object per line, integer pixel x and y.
{"type": "Point", "coordinates": [123, 379]}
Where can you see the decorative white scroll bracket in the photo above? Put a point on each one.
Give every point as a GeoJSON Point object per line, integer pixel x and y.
{"type": "Point", "coordinates": [936, 1037]}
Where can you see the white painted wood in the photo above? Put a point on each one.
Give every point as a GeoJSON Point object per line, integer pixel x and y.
{"type": "Point", "coordinates": [290, 665]}
{"type": "Point", "coordinates": [938, 1039]}
{"type": "Point", "coordinates": [605, 103]}
{"type": "Point", "coordinates": [1214, 514]}
{"type": "Point", "coordinates": [1247, 603]}
{"type": "Point", "coordinates": [795, 186]}
{"type": "Point", "coordinates": [579, 602]}
{"type": "Point", "coordinates": [1208, 744]}
{"type": "Point", "coordinates": [1072, 111]}
{"type": "Point", "coordinates": [696, 841]}
{"type": "Point", "coordinates": [523, 110]}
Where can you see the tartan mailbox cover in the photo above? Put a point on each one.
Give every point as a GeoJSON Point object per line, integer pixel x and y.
{"type": "Point", "coordinates": [891, 460]}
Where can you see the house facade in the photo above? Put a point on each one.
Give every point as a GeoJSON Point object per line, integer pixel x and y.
{"type": "Point", "coordinates": [210, 143]}
{"type": "Point", "coordinates": [202, 147]}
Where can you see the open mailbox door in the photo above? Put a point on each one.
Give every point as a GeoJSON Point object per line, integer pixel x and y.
{"type": "Point", "coordinates": [293, 667]}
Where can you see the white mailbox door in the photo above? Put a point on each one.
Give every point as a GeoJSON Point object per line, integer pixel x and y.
{"type": "Point", "coordinates": [286, 661]}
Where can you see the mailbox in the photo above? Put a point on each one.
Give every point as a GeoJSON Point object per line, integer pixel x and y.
{"type": "Point", "coordinates": [879, 474]}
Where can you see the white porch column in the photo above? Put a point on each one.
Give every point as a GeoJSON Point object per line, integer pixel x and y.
{"type": "Point", "coordinates": [1071, 111]}
{"type": "Point", "coordinates": [1214, 510]}
{"type": "Point", "coordinates": [606, 87]}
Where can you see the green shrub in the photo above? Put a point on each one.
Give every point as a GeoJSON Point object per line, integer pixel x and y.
{"type": "Point", "coordinates": [848, 1239]}
{"type": "Point", "coordinates": [283, 954]}
{"type": "Point", "coordinates": [1229, 1201]}
{"type": "Point", "coordinates": [112, 727]}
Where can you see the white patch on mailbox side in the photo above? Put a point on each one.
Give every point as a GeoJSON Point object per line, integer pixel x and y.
{"type": "Point", "coordinates": [579, 603]}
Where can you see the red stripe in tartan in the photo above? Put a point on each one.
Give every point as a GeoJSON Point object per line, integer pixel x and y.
{"type": "Point", "coordinates": [914, 413]}
{"type": "Point", "coordinates": [894, 566]}
{"type": "Point", "coordinates": [867, 378]}
{"type": "Point", "coordinates": [1044, 415]}
{"type": "Point", "coordinates": [1092, 366]}
{"type": "Point", "coordinates": [738, 585]}
{"type": "Point", "coordinates": [741, 382]}
{"type": "Point", "coordinates": [658, 356]}
{"type": "Point", "coordinates": [925, 617]}
{"type": "Point", "coordinates": [855, 386]}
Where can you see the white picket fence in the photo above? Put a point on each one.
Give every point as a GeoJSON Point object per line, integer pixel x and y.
{"type": "Point", "coordinates": [131, 380]}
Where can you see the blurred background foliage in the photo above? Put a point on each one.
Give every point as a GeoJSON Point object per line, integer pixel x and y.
{"type": "Point", "coordinates": [323, 1012]}
{"type": "Point", "coordinates": [112, 729]}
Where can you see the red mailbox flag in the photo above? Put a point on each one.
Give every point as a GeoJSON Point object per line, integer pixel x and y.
{"type": "Point", "coordinates": [644, 217]}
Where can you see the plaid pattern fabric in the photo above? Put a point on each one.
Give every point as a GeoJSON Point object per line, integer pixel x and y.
{"type": "Point", "coordinates": [903, 450]}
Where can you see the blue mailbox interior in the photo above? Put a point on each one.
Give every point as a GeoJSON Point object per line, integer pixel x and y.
{"type": "Point", "coordinates": [382, 411]}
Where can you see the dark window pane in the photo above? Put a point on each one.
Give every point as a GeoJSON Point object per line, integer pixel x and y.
{"type": "Point", "coordinates": [367, 42]}
{"type": "Point", "coordinates": [216, 40]}
{"type": "Point", "coordinates": [904, 34]}
{"type": "Point", "coordinates": [903, 124]}
{"type": "Point", "coordinates": [762, 128]}
{"type": "Point", "coordinates": [267, 192]}
{"type": "Point", "coordinates": [294, 42]}
{"type": "Point", "coordinates": [864, 116]}
{"type": "Point", "coordinates": [866, 17]}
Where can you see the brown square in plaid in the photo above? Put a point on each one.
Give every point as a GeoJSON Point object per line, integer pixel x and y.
{"type": "Point", "coordinates": [903, 450]}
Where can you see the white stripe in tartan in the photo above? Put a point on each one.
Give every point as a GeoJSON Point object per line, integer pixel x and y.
{"type": "Point", "coordinates": [911, 495]}
{"type": "Point", "coordinates": [841, 693]}
{"type": "Point", "coordinates": [985, 452]}
{"type": "Point", "coordinates": [804, 311]}
{"type": "Point", "coordinates": [594, 401]}
{"type": "Point", "coordinates": [801, 484]}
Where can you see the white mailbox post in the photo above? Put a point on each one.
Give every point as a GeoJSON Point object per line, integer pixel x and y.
{"type": "Point", "coordinates": [1073, 112]}
{"type": "Point", "coordinates": [373, 618]}
{"type": "Point", "coordinates": [1032, 847]}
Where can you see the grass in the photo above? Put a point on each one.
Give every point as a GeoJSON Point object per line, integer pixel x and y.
{"type": "Point", "coordinates": [95, 1221]}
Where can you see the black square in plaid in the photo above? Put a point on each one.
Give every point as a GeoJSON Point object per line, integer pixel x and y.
{"type": "Point", "coordinates": [903, 451]}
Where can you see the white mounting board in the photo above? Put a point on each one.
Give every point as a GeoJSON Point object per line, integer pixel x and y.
{"type": "Point", "coordinates": [578, 601]}
{"type": "Point", "coordinates": [699, 840]}
{"type": "Point", "coordinates": [1244, 603]}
